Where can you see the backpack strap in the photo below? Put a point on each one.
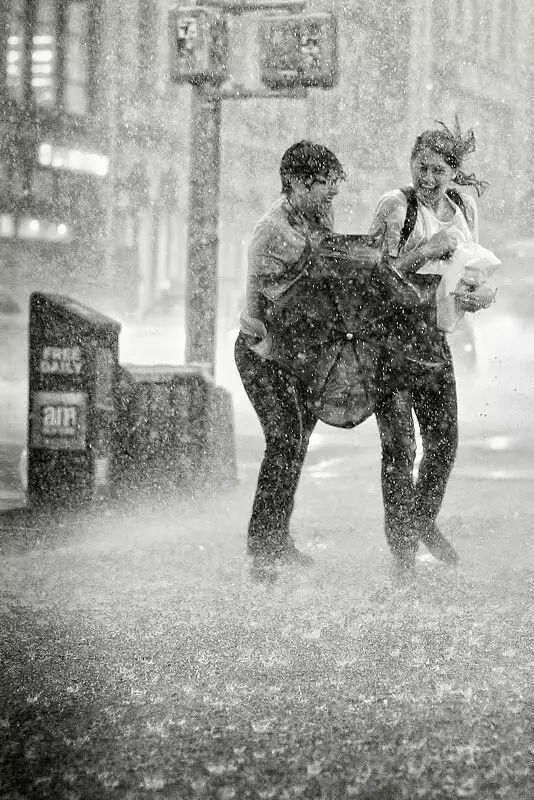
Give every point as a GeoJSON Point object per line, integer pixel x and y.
{"type": "Point", "coordinates": [456, 197]}
{"type": "Point", "coordinates": [411, 211]}
{"type": "Point", "coordinates": [411, 216]}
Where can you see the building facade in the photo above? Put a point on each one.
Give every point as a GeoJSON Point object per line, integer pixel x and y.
{"type": "Point", "coordinates": [95, 138]}
{"type": "Point", "coordinates": [91, 160]}
{"type": "Point", "coordinates": [479, 63]}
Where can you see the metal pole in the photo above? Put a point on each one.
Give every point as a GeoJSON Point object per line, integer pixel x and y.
{"type": "Point", "coordinates": [202, 245]}
{"type": "Point", "coordinates": [113, 66]}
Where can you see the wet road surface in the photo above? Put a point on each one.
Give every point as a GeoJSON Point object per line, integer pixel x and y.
{"type": "Point", "coordinates": [141, 661]}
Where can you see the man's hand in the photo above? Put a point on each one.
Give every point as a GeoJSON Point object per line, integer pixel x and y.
{"type": "Point", "coordinates": [479, 298]}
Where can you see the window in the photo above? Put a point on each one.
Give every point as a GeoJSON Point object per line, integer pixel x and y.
{"type": "Point", "coordinates": [44, 54]}
{"type": "Point", "coordinates": [76, 57]}
{"type": "Point", "coordinates": [496, 30]}
{"type": "Point", "coordinates": [43, 185]}
{"type": "Point", "coordinates": [61, 51]}
{"type": "Point", "coordinates": [147, 43]}
{"type": "Point", "coordinates": [72, 159]}
{"type": "Point", "coordinates": [15, 52]}
{"type": "Point", "coordinates": [7, 225]}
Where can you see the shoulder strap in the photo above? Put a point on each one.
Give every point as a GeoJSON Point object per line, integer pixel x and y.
{"type": "Point", "coordinates": [411, 216]}
{"type": "Point", "coordinates": [411, 211]}
{"type": "Point", "coordinates": [457, 198]}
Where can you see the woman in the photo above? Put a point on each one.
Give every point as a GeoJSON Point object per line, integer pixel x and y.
{"type": "Point", "coordinates": [265, 353]}
{"type": "Point", "coordinates": [420, 224]}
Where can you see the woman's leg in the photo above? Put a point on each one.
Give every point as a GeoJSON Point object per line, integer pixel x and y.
{"type": "Point", "coordinates": [287, 425]}
{"type": "Point", "coordinates": [436, 411]}
{"type": "Point", "coordinates": [397, 437]}
{"type": "Point", "coordinates": [435, 406]}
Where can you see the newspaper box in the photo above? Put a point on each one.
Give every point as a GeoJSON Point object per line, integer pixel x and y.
{"type": "Point", "coordinates": [175, 426]}
{"type": "Point", "coordinates": [73, 372]}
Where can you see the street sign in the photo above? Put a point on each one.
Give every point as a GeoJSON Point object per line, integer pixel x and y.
{"type": "Point", "coordinates": [243, 6]}
{"type": "Point", "coordinates": [299, 50]}
{"type": "Point", "coordinates": [198, 45]}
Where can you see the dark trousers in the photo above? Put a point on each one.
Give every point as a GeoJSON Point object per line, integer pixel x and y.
{"type": "Point", "coordinates": [411, 507]}
{"type": "Point", "coordinates": [279, 402]}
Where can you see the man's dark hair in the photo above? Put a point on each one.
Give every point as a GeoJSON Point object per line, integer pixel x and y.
{"type": "Point", "coordinates": [306, 160]}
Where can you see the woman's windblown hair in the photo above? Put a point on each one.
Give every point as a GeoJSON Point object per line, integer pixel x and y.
{"type": "Point", "coordinates": [453, 146]}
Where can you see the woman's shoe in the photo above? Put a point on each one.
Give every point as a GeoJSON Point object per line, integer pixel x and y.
{"type": "Point", "coordinates": [437, 544]}
{"type": "Point", "coordinates": [402, 571]}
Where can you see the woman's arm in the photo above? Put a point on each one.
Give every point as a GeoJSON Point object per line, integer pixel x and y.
{"type": "Point", "coordinates": [387, 224]}
{"type": "Point", "coordinates": [408, 263]}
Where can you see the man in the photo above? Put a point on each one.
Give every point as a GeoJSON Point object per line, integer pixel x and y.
{"type": "Point", "coordinates": [264, 352]}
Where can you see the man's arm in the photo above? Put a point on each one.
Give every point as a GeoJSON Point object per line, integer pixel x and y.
{"type": "Point", "coordinates": [277, 257]}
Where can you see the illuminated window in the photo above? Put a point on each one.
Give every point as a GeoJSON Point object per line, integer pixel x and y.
{"type": "Point", "coordinates": [15, 52]}
{"type": "Point", "coordinates": [43, 230]}
{"type": "Point", "coordinates": [72, 159]}
{"type": "Point", "coordinates": [62, 52]}
{"type": "Point", "coordinates": [76, 57]}
{"type": "Point", "coordinates": [44, 54]}
{"type": "Point", "coordinates": [7, 225]}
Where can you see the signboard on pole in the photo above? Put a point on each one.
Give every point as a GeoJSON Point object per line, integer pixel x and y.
{"type": "Point", "coordinates": [198, 45]}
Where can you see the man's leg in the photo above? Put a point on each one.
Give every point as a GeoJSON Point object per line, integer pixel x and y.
{"type": "Point", "coordinates": [397, 437]}
{"type": "Point", "coordinates": [287, 425]}
{"type": "Point", "coordinates": [307, 425]}
{"type": "Point", "coordinates": [435, 405]}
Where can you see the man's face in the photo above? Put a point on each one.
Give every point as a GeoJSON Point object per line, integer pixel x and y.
{"type": "Point", "coordinates": [431, 175]}
{"type": "Point", "coordinates": [315, 195]}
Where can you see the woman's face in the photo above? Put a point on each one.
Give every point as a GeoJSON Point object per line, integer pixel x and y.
{"type": "Point", "coordinates": [431, 175]}
{"type": "Point", "coordinates": [315, 196]}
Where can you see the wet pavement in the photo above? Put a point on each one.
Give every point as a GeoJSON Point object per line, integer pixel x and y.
{"type": "Point", "coordinates": [139, 659]}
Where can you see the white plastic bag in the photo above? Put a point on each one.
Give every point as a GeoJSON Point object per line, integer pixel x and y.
{"type": "Point", "coordinates": [470, 266]}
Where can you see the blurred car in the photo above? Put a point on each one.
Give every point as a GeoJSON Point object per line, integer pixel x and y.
{"type": "Point", "coordinates": [514, 301]}
{"type": "Point", "coordinates": [516, 292]}
{"type": "Point", "coordinates": [22, 469]}
{"type": "Point", "coordinates": [13, 336]}
{"type": "Point", "coordinates": [8, 304]}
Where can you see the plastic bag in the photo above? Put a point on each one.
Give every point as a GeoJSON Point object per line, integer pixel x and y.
{"type": "Point", "coordinates": [470, 266]}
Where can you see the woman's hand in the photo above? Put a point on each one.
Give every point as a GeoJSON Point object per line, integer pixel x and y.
{"type": "Point", "coordinates": [440, 245]}
{"type": "Point", "coordinates": [479, 298]}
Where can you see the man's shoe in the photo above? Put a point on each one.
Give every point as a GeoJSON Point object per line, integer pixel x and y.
{"type": "Point", "coordinates": [266, 564]}
{"type": "Point", "coordinates": [264, 568]}
{"type": "Point", "coordinates": [438, 545]}
{"type": "Point", "coordinates": [292, 557]}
